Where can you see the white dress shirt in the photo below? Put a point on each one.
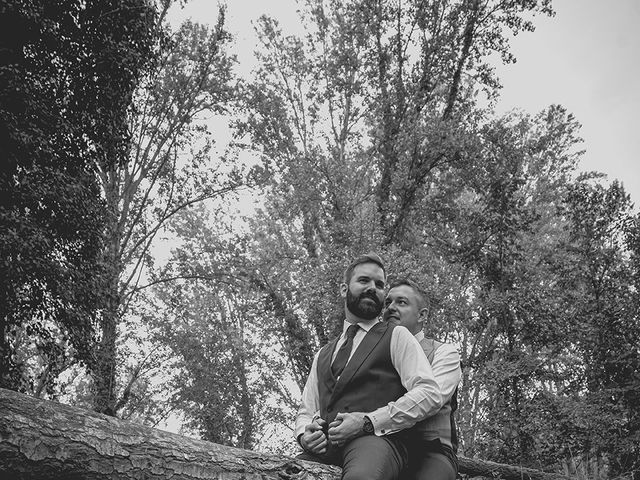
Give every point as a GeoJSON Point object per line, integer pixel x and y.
{"type": "Point", "coordinates": [423, 396]}
{"type": "Point", "coordinates": [446, 368]}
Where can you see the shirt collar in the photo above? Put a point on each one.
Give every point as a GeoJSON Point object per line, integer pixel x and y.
{"type": "Point", "coordinates": [365, 325]}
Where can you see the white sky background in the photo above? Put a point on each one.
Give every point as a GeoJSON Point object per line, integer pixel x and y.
{"type": "Point", "coordinates": [586, 58]}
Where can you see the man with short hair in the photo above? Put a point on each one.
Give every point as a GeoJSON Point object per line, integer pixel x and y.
{"type": "Point", "coordinates": [366, 387]}
{"type": "Point", "coordinates": [432, 453]}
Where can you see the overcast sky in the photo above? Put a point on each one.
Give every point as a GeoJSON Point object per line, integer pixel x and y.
{"type": "Point", "coordinates": [586, 58]}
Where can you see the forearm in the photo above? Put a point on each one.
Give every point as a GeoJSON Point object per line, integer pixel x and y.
{"type": "Point", "coordinates": [423, 397]}
{"type": "Point", "coordinates": [309, 404]}
{"type": "Point", "coordinates": [417, 404]}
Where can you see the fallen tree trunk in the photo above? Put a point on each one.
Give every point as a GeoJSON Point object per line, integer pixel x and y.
{"type": "Point", "coordinates": [47, 440]}
{"type": "Point", "coordinates": [483, 468]}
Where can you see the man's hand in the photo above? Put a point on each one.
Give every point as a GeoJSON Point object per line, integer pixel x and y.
{"type": "Point", "coordinates": [314, 439]}
{"type": "Point", "coordinates": [346, 427]}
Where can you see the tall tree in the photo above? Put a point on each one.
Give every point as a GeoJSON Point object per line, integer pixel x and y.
{"type": "Point", "coordinates": [228, 367]}
{"type": "Point", "coordinates": [355, 122]}
{"type": "Point", "coordinates": [606, 334]}
{"type": "Point", "coordinates": [170, 167]}
{"type": "Point", "coordinates": [68, 73]}
{"type": "Point", "coordinates": [487, 233]}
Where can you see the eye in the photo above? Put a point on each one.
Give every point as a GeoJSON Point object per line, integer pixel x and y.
{"type": "Point", "coordinates": [380, 285]}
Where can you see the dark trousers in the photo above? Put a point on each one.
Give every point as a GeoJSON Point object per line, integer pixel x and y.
{"type": "Point", "coordinates": [366, 458]}
{"type": "Point", "coordinates": [431, 460]}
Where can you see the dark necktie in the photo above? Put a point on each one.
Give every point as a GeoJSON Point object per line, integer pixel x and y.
{"type": "Point", "coordinates": [345, 350]}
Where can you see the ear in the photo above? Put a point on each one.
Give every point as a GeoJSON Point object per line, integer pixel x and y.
{"type": "Point", "coordinates": [343, 290]}
{"type": "Point", "coordinates": [422, 315]}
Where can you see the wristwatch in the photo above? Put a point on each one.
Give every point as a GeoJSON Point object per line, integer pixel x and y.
{"type": "Point", "coordinates": [367, 426]}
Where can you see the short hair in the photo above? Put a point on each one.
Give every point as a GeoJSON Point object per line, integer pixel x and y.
{"type": "Point", "coordinates": [366, 258]}
{"type": "Point", "coordinates": [423, 297]}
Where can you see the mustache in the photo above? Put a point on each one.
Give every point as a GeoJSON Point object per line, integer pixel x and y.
{"type": "Point", "coordinates": [372, 296]}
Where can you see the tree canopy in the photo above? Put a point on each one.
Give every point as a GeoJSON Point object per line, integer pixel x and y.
{"type": "Point", "coordinates": [374, 130]}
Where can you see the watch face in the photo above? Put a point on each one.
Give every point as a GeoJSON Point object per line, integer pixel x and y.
{"type": "Point", "coordinates": [368, 426]}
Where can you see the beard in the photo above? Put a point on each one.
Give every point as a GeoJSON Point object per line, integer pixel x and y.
{"type": "Point", "coordinates": [361, 309]}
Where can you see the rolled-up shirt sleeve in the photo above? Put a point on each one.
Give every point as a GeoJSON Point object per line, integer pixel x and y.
{"type": "Point", "coordinates": [310, 404]}
{"type": "Point", "coordinates": [423, 397]}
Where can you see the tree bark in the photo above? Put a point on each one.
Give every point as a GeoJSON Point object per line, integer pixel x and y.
{"type": "Point", "coordinates": [45, 440]}
{"type": "Point", "coordinates": [483, 468]}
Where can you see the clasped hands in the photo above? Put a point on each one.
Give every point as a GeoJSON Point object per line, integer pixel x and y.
{"type": "Point", "coordinates": [345, 427]}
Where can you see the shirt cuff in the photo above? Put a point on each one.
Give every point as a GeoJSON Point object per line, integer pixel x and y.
{"type": "Point", "coordinates": [299, 442]}
{"type": "Point", "coordinates": [299, 430]}
{"type": "Point", "coordinates": [381, 421]}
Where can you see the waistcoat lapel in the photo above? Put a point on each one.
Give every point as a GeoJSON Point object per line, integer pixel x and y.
{"type": "Point", "coordinates": [324, 364]}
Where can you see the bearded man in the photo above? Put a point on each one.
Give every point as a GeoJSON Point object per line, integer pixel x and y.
{"type": "Point", "coordinates": [366, 387]}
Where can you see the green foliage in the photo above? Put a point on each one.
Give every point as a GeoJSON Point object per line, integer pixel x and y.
{"type": "Point", "coordinates": [170, 167]}
{"type": "Point", "coordinates": [68, 74]}
{"type": "Point", "coordinates": [226, 362]}
{"type": "Point", "coordinates": [371, 135]}
{"type": "Point", "coordinates": [608, 336]}
{"type": "Point", "coordinates": [502, 232]}
{"type": "Point", "coordinates": [371, 140]}
{"type": "Point", "coordinates": [351, 135]}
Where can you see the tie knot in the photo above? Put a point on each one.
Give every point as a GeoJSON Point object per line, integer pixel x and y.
{"type": "Point", "coordinates": [352, 330]}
